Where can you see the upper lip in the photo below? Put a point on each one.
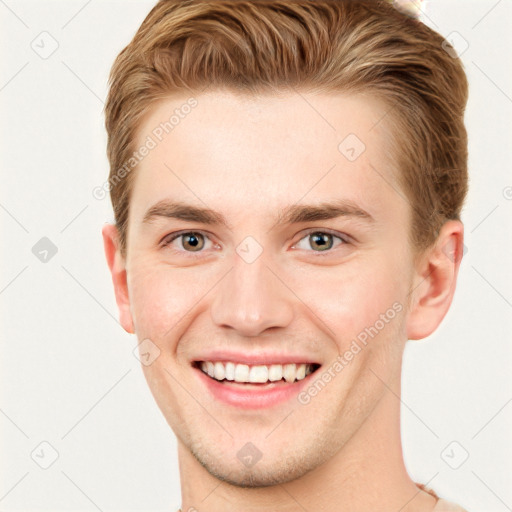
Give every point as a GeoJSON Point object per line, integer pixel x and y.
{"type": "Point", "coordinates": [259, 358]}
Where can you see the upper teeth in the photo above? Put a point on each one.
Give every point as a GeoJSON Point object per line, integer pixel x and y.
{"type": "Point", "coordinates": [258, 373]}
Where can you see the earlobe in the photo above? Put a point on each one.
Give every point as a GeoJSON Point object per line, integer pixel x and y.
{"type": "Point", "coordinates": [117, 265]}
{"type": "Point", "coordinates": [435, 280]}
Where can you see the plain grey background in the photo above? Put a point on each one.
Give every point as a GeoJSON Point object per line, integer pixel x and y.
{"type": "Point", "coordinates": [80, 429]}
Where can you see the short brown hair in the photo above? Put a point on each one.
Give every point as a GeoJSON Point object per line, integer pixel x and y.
{"type": "Point", "coordinates": [260, 46]}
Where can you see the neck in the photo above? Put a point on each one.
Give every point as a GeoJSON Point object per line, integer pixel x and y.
{"type": "Point", "coordinates": [368, 473]}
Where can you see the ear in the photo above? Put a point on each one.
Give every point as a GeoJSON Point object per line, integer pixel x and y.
{"type": "Point", "coordinates": [117, 265]}
{"type": "Point", "coordinates": [434, 281]}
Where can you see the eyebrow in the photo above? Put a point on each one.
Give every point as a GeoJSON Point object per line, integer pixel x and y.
{"type": "Point", "coordinates": [293, 214]}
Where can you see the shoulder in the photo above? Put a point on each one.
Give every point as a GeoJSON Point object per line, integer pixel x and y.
{"type": "Point", "coordinates": [447, 506]}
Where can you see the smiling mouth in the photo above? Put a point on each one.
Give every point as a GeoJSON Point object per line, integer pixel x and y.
{"type": "Point", "coordinates": [240, 373]}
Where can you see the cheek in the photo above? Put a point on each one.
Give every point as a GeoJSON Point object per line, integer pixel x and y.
{"type": "Point", "coordinates": [157, 299]}
{"type": "Point", "coordinates": [161, 297]}
{"type": "Point", "coordinates": [351, 297]}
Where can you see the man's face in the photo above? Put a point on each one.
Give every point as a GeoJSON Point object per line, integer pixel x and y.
{"type": "Point", "coordinates": [264, 287]}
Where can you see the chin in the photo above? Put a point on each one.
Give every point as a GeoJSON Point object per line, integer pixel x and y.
{"type": "Point", "coordinates": [254, 477]}
{"type": "Point", "coordinates": [266, 472]}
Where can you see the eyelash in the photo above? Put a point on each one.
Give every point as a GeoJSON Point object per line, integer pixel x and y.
{"type": "Point", "coordinates": [168, 239]}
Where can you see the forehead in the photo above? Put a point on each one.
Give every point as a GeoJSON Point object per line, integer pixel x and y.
{"type": "Point", "coordinates": [250, 155]}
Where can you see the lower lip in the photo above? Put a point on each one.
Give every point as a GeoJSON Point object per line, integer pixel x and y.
{"type": "Point", "coordinates": [252, 396]}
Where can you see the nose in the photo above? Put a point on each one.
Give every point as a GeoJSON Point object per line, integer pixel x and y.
{"type": "Point", "coordinates": [251, 299]}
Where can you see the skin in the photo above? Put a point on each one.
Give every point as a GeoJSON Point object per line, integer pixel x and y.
{"type": "Point", "coordinates": [247, 158]}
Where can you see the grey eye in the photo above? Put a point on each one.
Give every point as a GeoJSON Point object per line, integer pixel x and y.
{"type": "Point", "coordinates": [319, 241]}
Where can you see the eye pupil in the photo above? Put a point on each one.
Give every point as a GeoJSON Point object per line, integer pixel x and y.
{"type": "Point", "coordinates": [196, 242]}
{"type": "Point", "coordinates": [321, 239]}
